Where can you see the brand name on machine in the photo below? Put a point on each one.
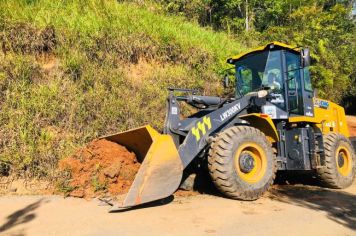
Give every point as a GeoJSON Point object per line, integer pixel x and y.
{"type": "Point", "coordinates": [231, 111]}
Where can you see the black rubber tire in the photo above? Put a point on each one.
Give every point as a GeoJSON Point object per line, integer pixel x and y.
{"type": "Point", "coordinates": [329, 174]}
{"type": "Point", "coordinates": [221, 163]}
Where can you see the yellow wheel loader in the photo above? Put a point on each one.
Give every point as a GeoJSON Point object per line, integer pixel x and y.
{"type": "Point", "coordinates": [273, 122]}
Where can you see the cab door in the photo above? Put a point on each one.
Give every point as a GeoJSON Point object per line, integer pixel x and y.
{"type": "Point", "coordinates": [299, 90]}
{"type": "Point", "coordinates": [308, 93]}
{"type": "Point", "coordinates": [293, 80]}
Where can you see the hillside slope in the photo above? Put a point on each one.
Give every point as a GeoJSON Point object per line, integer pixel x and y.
{"type": "Point", "coordinates": [71, 71]}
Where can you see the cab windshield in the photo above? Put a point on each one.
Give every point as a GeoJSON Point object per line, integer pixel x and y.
{"type": "Point", "coordinates": [259, 70]}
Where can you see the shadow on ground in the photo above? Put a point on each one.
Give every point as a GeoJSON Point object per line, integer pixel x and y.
{"type": "Point", "coordinates": [21, 216]}
{"type": "Point", "coordinates": [198, 179]}
{"type": "Point", "coordinates": [156, 203]}
{"type": "Point", "coordinates": [340, 206]}
{"type": "Point", "coordinates": [301, 189]}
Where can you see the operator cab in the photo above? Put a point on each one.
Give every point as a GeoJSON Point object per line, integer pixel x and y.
{"type": "Point", "coordinates": [281, 69]}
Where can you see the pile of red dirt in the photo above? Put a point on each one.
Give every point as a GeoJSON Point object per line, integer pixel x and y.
{"type": "Point", "coordinates": [100, 168]}
{"type": "Point", "coordinates": [351, 123]}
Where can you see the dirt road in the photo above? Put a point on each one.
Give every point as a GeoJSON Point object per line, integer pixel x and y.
{"type": "Point", "coordinates": [287, 210]}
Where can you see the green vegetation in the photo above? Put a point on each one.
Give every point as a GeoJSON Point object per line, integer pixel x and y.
{"type": "Point", "coordinates": [63, 183]}
{"type": "Point", "coordinates": [331, 36]}
{"type": "Point", "coordinates": [326, 26]}
{"type": "Point", "coordinates": [71, 71]}
{"type": "Point", "coordinates": [97, 185]}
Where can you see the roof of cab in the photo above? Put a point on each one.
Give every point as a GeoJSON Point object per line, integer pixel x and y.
{"type": "Point", "coordinates": [262, 48]}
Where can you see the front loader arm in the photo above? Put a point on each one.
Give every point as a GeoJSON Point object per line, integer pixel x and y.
{"type": "Point", "coordinates": [165, 156]}
{"type": "Point", "coordinates": [197, 138]}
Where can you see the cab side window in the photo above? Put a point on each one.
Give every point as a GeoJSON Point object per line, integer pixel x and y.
{"type": "Point", "coordinates": [294, 83]}
{"type": "Point", "coordinates": [244, 81]}
{"type": "Point", "coordinates": [307, 80]}
{"type": "Point", "coordinates": [293, 74]}
{"type": "Point", "coordinates": [272, 78]}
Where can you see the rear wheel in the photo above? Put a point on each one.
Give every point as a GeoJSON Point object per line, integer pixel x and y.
{"type": "Point", "coordinates": [242, 163]}
{"type": "Point", "coordinates": [339, 170]}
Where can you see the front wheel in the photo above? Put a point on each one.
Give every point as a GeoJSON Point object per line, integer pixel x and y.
{"type": "Point", "coordinates": [242, 163]}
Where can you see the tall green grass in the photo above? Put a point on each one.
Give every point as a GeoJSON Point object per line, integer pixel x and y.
{"type": "Point", "coordinates": [65, 74]}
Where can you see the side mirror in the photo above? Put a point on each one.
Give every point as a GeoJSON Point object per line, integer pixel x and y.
{"type": "Point", "coordinates": [305, 57]}
{"type": "Point", "coordinates": [226, 81]}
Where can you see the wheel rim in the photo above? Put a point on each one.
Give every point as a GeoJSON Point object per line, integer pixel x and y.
{"type": "Point", "coordinates": [250, 162]}
{"type": "Point", "coordinates": [343, 161]}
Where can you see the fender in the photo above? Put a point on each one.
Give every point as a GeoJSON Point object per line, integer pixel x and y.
{"type": "Point", "coordinates": [264, 123]}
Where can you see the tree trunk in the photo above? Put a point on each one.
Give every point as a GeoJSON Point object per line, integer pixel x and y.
{"type": "Point", "coordinates": [246, 16]}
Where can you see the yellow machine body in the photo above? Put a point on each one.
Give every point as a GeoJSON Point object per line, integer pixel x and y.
{"type": "Point", "coordinates": [330, 119]}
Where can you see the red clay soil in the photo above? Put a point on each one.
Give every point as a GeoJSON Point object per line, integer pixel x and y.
{"type": "Point", "coordinates": [351, 123]}
{"type": "Point", "coordinates": [100, 168]}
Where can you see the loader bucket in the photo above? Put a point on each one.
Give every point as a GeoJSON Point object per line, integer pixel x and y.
{"type": "Point", "coordinates": [161, 167]}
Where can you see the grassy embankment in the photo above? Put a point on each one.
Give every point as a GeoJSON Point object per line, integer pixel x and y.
{"type": "Point", "coordinates": [71, 71]}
